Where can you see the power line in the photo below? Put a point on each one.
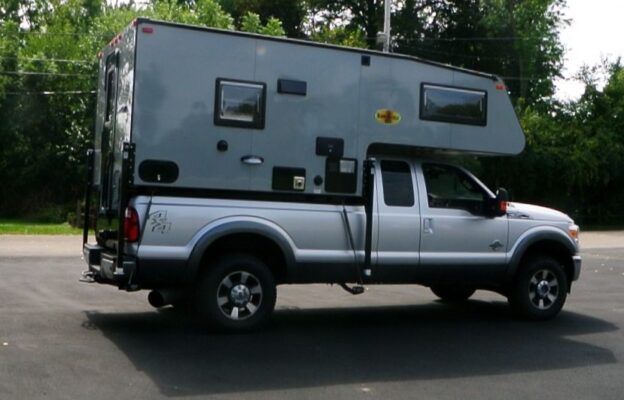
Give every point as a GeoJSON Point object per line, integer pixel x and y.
{"type": "Point", "coordinates": [29, 73]}
{"type": "Point", "coordinates": [477, 39]}
{"type": "Point", "coordinates": [446, 53]}
{"type": "Point", "coordinates": [469, 39]}
{"type": "Point", "coordinates": [51, 93]}
{"type": "Point", "coordinates": [64, 33]}
{"type": "Point", "coordinates": [58, 60]}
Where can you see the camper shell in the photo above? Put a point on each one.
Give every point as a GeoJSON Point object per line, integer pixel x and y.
{"type": "Point", "coordinates": [222, 111]}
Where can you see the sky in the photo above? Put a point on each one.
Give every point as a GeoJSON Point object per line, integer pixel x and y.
{"type": "Point", "coordinates": [596, 30]}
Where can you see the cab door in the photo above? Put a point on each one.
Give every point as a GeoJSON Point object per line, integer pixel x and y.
{"type": "Point", "coordinates": [457, 232]}
{"type": "Point", "coordinates": [399, 221]}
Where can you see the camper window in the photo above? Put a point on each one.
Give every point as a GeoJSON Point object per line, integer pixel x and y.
{"type": "Point", "coordinates": [451, 104]}
{"type": "Point", "coordinates": [240, 104]}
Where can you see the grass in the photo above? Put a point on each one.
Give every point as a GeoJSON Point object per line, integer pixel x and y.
{"type": "Point", "coordinates": [25, 227]}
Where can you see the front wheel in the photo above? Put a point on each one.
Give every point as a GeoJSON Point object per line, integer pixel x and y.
{"type": "Point", "coordinates": [237, 293]}
{"type": "Point", "coordinates": [540, 289]}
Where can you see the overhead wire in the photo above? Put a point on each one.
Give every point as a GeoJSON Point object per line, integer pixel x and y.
{"type": "Point", "coordinates": [34, 73]}
{"type": "Point", "coordinates": [58, 60]}
{"type": "Point", "coordinates": [52, 93]}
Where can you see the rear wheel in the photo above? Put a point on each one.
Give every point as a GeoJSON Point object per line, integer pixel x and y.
{"type": "Point", "coordinates": [237, 293]}
{"type": "Point", "coordinates": [452, 293]}
{"type": "Point", "coordinates": [540, 289]}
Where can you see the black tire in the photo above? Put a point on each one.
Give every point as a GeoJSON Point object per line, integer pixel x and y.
{"type": "Point", "coordinates": [453, 293]}
{"type": "Point", "coordinates": [539, 290]}
{"type": "Point", "coordinates": [236, 293]}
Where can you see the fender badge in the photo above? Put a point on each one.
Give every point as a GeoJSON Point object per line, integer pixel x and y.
{"type": "Point", "coordinates": [387, 117]}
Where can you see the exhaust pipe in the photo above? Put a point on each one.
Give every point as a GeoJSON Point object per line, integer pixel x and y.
{"type": "Point", "coordinates": [161, 298]}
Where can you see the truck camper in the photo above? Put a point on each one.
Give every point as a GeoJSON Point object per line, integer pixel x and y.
{"type": "Point", "coordinates": [227, 163]}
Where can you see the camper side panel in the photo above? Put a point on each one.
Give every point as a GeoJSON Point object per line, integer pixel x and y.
{"type": "Point", "coordinates": [174, 109]}
{"type": "Point", "coordinates": [324, 108]}
{"type": "Point", "coordinates": [397, 85]}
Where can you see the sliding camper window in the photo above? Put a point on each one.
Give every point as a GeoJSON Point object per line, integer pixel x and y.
{"type": "Point", "coordinates": [452, 104]}
{"type": "Point", "coordinates": [240, 104]}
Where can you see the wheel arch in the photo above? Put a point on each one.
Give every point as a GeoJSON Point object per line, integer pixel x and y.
{"type": "Point", "coordinates": [257, 237]}
{"type": "Point", "coordinates": [548, 242]}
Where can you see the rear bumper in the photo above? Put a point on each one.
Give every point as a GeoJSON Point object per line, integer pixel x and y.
{"type": "Point", "coordinates": [105, 268]}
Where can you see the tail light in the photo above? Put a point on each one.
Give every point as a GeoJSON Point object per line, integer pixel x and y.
{"type": "Point", "coordinates": [131, 225]}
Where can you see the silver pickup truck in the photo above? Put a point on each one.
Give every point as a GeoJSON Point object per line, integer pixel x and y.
{"type": "Point", "coordinates": [227, 163]}
{"type": "Point", "coordinates": [433, 224]}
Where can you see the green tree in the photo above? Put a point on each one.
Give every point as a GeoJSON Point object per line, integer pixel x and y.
{"type": "Point", "coordinates": [250, 22]}
{"type": "Point", "coordinates": [48, 71]}
{"type": "Point", "coordinates": [291, 13]}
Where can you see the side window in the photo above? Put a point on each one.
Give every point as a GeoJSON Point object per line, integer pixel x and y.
{"type": "Point", "coordinates": [455, 105]}
{"type": "Point", "coordinates": [450, 187]}
{"type": "Point", "coordinates": [396, 178]}
{"type": "Point", "coordinates": [240, 104]}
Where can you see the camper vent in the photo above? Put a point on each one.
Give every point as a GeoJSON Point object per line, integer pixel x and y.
{"type": "Point", "coordinates": [287, 86]}
{"type": "Point", "coordinates": [341, 175]}
{"type": "Point", "coordinates": [331, 147]}
{"type": "Point", "coordinates": [158, 171]}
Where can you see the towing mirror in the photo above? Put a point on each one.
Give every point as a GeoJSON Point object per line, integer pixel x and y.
{"type": "Point", "coordinates": [502, 198]}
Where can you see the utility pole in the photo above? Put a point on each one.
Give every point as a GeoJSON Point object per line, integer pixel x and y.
{"type": "Point", "coordinates": [386, 30]}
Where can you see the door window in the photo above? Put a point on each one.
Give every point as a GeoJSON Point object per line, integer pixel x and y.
{"type": "Point", "coordinates": [450, 187]}
{"type": "Point", "coordinates": [396, 178]}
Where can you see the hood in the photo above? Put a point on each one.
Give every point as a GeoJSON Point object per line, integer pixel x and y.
{"type": "Point", "coordinates": [529, 211]}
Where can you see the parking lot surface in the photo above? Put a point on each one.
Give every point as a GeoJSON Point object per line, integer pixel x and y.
{"type": "Point", "coordinates": [61, 339]}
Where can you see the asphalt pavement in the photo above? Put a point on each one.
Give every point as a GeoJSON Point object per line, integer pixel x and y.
{"type": "Point", "coordinates": [61, 339]}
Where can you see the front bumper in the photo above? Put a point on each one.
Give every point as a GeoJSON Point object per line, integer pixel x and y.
{"type": "Point", "coordinates": [105, 268]}
{"type": "Point", "coordinates": [577, 261]}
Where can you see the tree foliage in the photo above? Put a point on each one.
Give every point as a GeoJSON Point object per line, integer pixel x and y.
{"type": "Point", "coordinates": [48, 71]}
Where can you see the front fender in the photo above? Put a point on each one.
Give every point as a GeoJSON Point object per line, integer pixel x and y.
{"type": "Point", "coordinates": [239, 224]}
{"type": "Point", "coordinates": [536, 235]}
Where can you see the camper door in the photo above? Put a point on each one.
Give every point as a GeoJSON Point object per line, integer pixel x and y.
{"type": "Point", "coordinates": [109, 175]}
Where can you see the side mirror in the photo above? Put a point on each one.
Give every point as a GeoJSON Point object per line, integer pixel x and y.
{"type": "Point", "coordinates": [502, 198]}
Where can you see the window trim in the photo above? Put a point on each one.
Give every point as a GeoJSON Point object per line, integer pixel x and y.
{"type": "Point", "coordinates": [255, 124]}
{"type": "Point", "coordinates": [452, 120]}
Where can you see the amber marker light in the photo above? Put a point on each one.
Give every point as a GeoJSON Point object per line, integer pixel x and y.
{"type": "Point", "coordinates": [573, 231]}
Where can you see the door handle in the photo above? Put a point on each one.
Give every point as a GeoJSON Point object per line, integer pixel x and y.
{"type": "Point", "coordinates": [428, 225]}
{"type": "Point", "coordinates": [252, 160]}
